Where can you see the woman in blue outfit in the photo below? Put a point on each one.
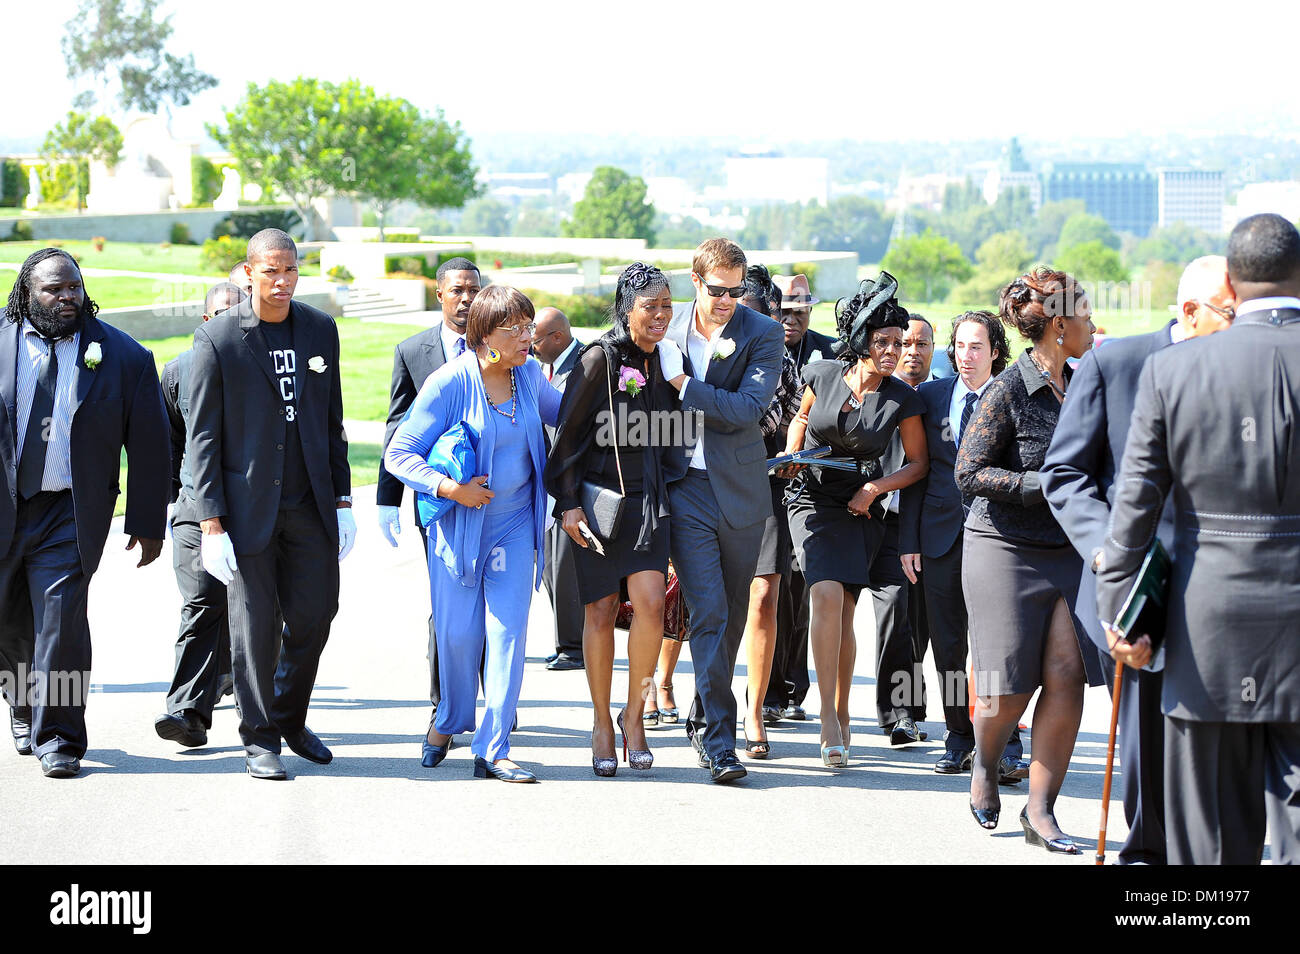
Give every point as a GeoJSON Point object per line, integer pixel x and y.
{"type": "Point", "coordinates": [485, 552]}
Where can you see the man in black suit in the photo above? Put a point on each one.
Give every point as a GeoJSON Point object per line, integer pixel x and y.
{"type": "Point", "coordinates": [414, 359]}
{"type": "Point", "coordinates": [557, 350]}
{"type": "Point", "coordinates": [788, 686]}
{"type": "Point", "coordinates": [1078, 480]}
{"type": "Point", "coordinates": [1227, 454]}
{"type": "Point", "coordinates": [73, 392]}
{"type": "Point", "coordinates": [272, 494]}
{"type": "Point", "coordinates": [203, 645]}
{"type": "Point", "coordinates": [930, 527]}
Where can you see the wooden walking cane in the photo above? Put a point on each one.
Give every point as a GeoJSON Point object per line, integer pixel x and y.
{"type": "Point", "coordinates": [1110, 761]}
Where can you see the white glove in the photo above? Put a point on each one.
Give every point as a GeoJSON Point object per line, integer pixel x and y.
{"type": "Point", "coordinates": [390, 523]}
{"type": "Point", "coordinates": [347, 531]}
{"type": "Point", "coordinates": [670, 359]}
{"type": "Point", "coordinates": [218, 556]}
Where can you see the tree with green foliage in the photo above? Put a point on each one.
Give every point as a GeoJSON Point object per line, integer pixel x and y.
{"type": "Point", "coordinates": [207, 180]}
{"type": "Point", "coordinates": [847, 224]}
{"type": "Point", "coordinates": [1000, 259]}
{"type": "Point", "coordinates": [1081, 228]}
{"type": "Point", "coordinates": [79, 139]}
{"type": "Point", "coordinates": [926, 266]}
{"type": "Point", "coordinates": [1092, 261]}
{"type": "Point", "coordinates": [1178, 244]}
{"type": "Point", "coordinates": [1046, 228]}
{"type": "Point", "coordinates": [400, 154]}
{"type": "Point", "coordinates": [106, 42]}
{"type": "Point", "coordinates": [536, 222]}
{"type": "Point", "coordinates": [485, 217]}
{"type": "Point", "coordinates": [298, 138]}
{"type": "Point", "coordinates": [614, 205]}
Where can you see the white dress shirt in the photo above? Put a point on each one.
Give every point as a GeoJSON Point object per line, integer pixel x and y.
{"type": "Point", "coordinates": [1267, 304]}
{"type": "Point", "coordinates": [58, 455]}
{"type": "Point", "coordinates": [700, 349]}
{"type": "Point", "coordinates": [958, 404]}
{"type": "Point", "coordinates": [449, 339]}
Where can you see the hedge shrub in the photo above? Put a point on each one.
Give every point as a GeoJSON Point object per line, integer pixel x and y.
{"type": "Point", "coordinates": [223, 253]}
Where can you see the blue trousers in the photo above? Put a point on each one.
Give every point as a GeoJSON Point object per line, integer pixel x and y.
{"type": "Point", "coordinates": [485, 623]}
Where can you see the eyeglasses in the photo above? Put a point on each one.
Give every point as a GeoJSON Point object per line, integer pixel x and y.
{"type": "Point", "coordinates": [1230, 313]}
{"type": "Point", "coordinates": [717, 291]}
{"type": "Point", "coordinates": [515, 331]}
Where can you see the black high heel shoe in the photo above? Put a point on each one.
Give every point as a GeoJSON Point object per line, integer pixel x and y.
{"type": "Point", "coordinates": [640, 759]}
{"type": "Point", "coordinates": [430, 754]}
{"type": "Point", "coordinates": [1064, 846]}
{"type": "Point", "coordinates": [986, 817]}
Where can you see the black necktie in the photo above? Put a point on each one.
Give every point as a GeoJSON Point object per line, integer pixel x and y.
{"type": "Point", "coordinates": [971, 398]}
{"type": "Point", "coordinates": [31, 468]}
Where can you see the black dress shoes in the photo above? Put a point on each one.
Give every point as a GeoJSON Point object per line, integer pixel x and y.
{"type": "Point", "coordinates": [953, 762]}
{"type": "Point", "coordinates": [267, 765]}
{"type": "Point", "coordinates": [794, 713]}
{"type": "Point", "coordinates": [20, 724]}
{"type": "Point", "coordinates": [184, 727]}
{"type": "Point", "coordinates": [700, 755]}
{"type": "Point", "coordinates": [1011, 771]}
{"type": "Point", "coordinates": [564, 663]}
{"type": "Point", "coordinates": [726, 768]}
{"type": "Point", "coordinates": [904, 731]}
{"type": "Point", "coordinates": [771, 715]}
{"type": "Point", "coordinates": [305, 743]}
{"type": "Point", "coordinates": [58, 765]}
{"type": "Point", "coordinates": [551, 658]}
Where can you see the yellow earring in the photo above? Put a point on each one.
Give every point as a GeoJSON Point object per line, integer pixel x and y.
{"type": "Point", "coordinates": [494, 355]}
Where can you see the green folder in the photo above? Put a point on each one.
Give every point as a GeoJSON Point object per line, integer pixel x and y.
{"type": "Point", "coordinates": [1147, 605]}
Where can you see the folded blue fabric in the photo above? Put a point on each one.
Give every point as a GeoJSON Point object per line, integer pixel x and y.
{"type": "Point", "coordinates": [454, 454]}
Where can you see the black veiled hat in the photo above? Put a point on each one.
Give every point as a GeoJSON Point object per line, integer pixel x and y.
{"type": "Point", "coordinates": [879, 308]}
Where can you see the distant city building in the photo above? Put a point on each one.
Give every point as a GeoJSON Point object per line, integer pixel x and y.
{"type": "Point", "coordinates": [1010, 173]}
{"type": "Point", "coordinates": [1191, 196]}
{"type": "Point", "coordinates": [925, 191]}
{"type": "Point", "coordinates": [516, 187]}
{"type": "Point", "coordinates": [1282, 198]}
{"type": "Point", "coordinates": [1122, 193]}
{"type": "Point", "coordinates": [754, 180]}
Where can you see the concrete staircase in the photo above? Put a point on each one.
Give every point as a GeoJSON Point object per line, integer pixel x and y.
{"type": "Point", "coordinates": [371, 303]}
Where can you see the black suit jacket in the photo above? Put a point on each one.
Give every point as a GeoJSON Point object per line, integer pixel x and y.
{"type": "Point", "coordinates": [238, 428]}
{"type": "Point", "coordinates": [1214, 427]}
{"type": "Point", "coordinates": [560, 378]}
{"type": "Point", "coordinates": [812, 343]}
{"type": "Point", "coordinates": [1078, 476]}
{"type": "Point", "coordinates": [118, 404]}
{"type": "Point", "coordinates": [413, 361]}
{"type": "Point", "coordinates": [930, 511]}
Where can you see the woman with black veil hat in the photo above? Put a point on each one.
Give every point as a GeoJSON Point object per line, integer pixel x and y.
{"type": "Point", "coordinates": [853, 405]}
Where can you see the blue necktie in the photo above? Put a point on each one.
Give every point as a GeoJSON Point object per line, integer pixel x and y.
{"type": "Point", "coordinates": [966, 412]}
{"type": "Point", "coordinates": [460, 347]}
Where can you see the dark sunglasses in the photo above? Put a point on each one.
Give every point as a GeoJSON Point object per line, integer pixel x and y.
{"type": "Point", "coordinates": [717, 291]}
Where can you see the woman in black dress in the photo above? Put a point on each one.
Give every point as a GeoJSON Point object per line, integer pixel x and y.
{"type": "Point", "coordinates": [610, 434]}
{"type": "Point", "coordinates": [1019, 573]}
{"type": "Point", "coordinates": [774, 553]}
{"type": "Point", "coordinates": [854, 405]}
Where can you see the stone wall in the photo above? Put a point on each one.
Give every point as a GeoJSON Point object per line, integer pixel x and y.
{"type": "Point", "coordinates": [120, 227]}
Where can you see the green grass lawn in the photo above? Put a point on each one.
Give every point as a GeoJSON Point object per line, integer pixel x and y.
{"type": "Point", "coordinates": [126, 256]}
{"type": "Point", "coordinates": [121, 292]}
{"type": "Point", "coordinates": [366, 369]}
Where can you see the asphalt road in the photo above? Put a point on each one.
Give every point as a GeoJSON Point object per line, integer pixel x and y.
{"type": "Point", "coordinates": [140, 799]}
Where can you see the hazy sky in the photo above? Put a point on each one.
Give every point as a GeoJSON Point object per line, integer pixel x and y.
{"type": "Point", "coordinates": [907, 70]}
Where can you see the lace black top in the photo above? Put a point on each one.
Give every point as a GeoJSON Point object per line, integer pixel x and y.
{"type": "Point", "coordinates": [1002, 451]}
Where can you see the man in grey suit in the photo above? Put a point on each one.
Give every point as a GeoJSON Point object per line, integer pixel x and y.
{"type": "Point", "coordinates": [1213, 426]}
{"type": "Point", "coordinates": [725, 366]}
{"type": "Point", "coordinates": [557, 350]}
{"type": "Point", "coordinates": [1078, 479]}
{"type": "Point", "coordinates": [414, 359]}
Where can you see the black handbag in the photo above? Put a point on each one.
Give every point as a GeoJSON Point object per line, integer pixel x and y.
{"type": "Point", "coordinates": [603, 505]}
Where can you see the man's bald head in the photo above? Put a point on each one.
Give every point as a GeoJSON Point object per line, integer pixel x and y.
{"type": "Point", "coordinates": [222, 296]}
{"type": "Point", "coordinates": [1205, 297]}
{"type": "Point", "coordinates": [553, 335]}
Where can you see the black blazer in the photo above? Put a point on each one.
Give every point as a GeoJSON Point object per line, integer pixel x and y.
{"type": "Point", "coordinates": [238, 428]}
{"type": "Point", "coordinates": [1078, 476]}
{"type": "Point", "coordinates": [813, 342]}
{"type": "Point", "coordinates": [118, 404]}
{"type": "Point", "coordinates": [413, 361]}
{"type": "Point", "coordinates": [560, 379]}
{"type": "Point", "coordinates": [930, 511]}
{"type": "Point", "coordinates": [1213, 427]}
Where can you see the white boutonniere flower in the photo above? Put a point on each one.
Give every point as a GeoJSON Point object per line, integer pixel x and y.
{"type": "Point", "coordinates": [723, 348]}
{"type": "Point", "coordinates": [815, 356]}
{"type": "Point", "coordinates": [94, 355]}
{"type": "Point", "coordinates": [317, 364]}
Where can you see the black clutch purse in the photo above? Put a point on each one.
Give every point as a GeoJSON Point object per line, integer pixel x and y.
{"type": "Point", "coordinates": [603, 505]}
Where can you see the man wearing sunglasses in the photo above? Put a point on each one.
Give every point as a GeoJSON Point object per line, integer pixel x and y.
{"type": "Point", "coordinates": [1078, 481]}
{"type": "Point", "coordinates": [725, 361]}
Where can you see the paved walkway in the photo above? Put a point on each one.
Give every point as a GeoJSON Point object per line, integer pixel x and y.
{"type": "Point", "coordinates": [141, 799]}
